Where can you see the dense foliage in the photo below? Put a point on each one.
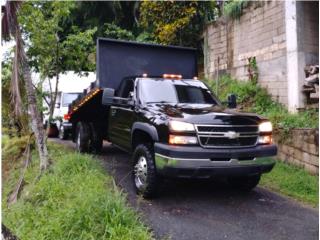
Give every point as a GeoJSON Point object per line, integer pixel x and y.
{"type": "Point", "coordinates": [50, 50]}
{"type": "Point", "coordinates": [74, 200]}
{"type": "Point", "coordinates": [253, 98]}
{"type": "Point", "coordinates": [111, 30]}
{"type": "Point", "coordinates": [90, 14]}
{"type": "Point", "coordinates": [176, 23]}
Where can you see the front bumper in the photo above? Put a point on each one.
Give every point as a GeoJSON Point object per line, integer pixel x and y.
{"type": "Point", "coordinates": [182, 161]}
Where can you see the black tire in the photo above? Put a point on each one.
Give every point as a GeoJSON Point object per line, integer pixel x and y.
{"type": "Point", "coordinates": [82, 137]}
{"type": "Point", "coordinates": [63, 135]}
{"type": "Point", "coordinates": [147, 187]}
{"type": "Point", "coordinates": [96, 139]}
{"type": "Point", "coordinates": [245, 183]}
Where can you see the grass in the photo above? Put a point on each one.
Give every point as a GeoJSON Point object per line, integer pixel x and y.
{"type": "Point", "coordinates": [293, 182]}
{"type": "Point", "coordinates": [253, 98]}
{"type": "Point", "coordinates": [75, 199]}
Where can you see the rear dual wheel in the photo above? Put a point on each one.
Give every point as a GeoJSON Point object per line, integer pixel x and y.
{"type": "Point", "coordinates": [88, 138]}
{"type": "Point", "coordinates": [96, 139]}
{"type": "Point", "coordinates": [83, 137]}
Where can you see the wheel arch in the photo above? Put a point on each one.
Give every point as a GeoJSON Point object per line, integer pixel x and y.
{"type": "Point", "coordinates": [143, 132]}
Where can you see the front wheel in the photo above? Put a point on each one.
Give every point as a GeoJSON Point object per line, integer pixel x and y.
{"type": "Point", "coordinates": [245, 183]}
{"type": "Point", "coordinates": [144, 171]}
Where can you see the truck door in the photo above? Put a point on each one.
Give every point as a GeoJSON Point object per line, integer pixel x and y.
{"type": "Point", "coordinates": [122, 116]}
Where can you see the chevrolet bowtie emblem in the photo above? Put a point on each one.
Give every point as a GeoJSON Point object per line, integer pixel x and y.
{"type": "Point", "coordinates": [231, 135]}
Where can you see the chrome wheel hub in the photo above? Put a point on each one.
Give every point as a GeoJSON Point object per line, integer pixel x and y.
{"type": "Point", "coordinates": [140, 173]}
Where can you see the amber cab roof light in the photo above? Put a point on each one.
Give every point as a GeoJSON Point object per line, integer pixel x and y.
{"type": "Point", "coordinates": [173, 76]}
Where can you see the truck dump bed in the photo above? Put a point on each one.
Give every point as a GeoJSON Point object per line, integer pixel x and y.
{"type": "Point", "coordinates": [118, 59]}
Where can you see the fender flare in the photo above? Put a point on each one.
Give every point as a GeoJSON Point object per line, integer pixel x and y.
{"type": "Point", "coordinates": [148, 128]}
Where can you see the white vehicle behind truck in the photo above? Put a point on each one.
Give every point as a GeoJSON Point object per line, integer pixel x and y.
{"type": "Point", "coordinates": [69, 87]}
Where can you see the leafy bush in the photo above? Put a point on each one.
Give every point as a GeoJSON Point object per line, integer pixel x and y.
{"type": "Point", "coordinates": [253, 98]}
{"type": "Point", "coordinates": [74, 200]}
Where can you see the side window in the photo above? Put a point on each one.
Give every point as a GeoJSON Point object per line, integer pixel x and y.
{"type": "Point", "coordinates": [126, 87]}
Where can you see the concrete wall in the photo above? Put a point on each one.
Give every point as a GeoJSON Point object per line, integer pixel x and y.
{"type": "Point", "coordinates": [259, 33]}
{"type": "Point", "coordinates": [282, 35]}
{"type": "Point", "coordinates": [301, 148]}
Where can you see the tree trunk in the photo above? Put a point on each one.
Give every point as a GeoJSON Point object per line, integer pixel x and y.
{"type": "Point", "coordinates": [36, 121]}
{"type": "Point", "coordinates": [55, 93]}
{"type": "Point", "coordinates": [54, 98]}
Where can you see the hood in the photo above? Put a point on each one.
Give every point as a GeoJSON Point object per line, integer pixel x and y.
{"type": "Point", "coordinates": [204, 114]}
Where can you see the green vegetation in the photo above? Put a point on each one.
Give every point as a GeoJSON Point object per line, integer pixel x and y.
{"type": "Point", "coordinates": [176, 22]}
{"type": "Point", "coordinates": [253, 98]}
{"type": "Point", "coordinates": [293, 182]}
{"type": "Point", "coordinates": [73, 200]}
{"type": "Point", "coordinates": [234, 8]}
{"type": "Point", "coordinates": [113, 31]}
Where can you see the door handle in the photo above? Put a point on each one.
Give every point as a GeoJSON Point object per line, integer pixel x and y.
{"type": "Point", "coordinates": [113, 112]}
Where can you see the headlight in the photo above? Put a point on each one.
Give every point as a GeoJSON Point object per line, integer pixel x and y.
{"type": "Point", "coordinates": [265, 127]}
{"type": "Point", "coordinates": [175, 139]}
{"type": "Point", "coordinates": [177, 126]}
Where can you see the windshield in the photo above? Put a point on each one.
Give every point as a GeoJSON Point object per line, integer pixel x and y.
{"type": "Point", "coordinates": [68, 98]}
{"type": "Point", "coordinates": [175, 91]}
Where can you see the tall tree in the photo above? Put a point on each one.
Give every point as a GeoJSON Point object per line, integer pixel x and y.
{"type": "Point", "coordinates": [56, 52]}
{"type": "Point", "coordinates": [90, 14]}
{"type": "Point", "coordinates": [10, 28]}
{"type": "Point", "coordinates": [176, 22]}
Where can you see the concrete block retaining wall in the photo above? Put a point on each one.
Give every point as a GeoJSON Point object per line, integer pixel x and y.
{"type": "Point", "coordinates": [300, 147]}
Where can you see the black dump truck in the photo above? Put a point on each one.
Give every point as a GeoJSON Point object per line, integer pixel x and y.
{"type": "Point", "coordinates": [148, 101]}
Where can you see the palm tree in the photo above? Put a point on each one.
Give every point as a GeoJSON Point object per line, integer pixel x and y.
{"type": "Point", "coordinates": [10, 28]}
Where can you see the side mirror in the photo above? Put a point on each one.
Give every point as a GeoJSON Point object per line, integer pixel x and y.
{"type": "Point", "coordinates": [107, 96]}
{"type": "Point", "coordinates": [232, 101]}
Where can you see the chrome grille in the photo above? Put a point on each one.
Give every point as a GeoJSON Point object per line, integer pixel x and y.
{"type": "Point", "coordinates": [227, 136]}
